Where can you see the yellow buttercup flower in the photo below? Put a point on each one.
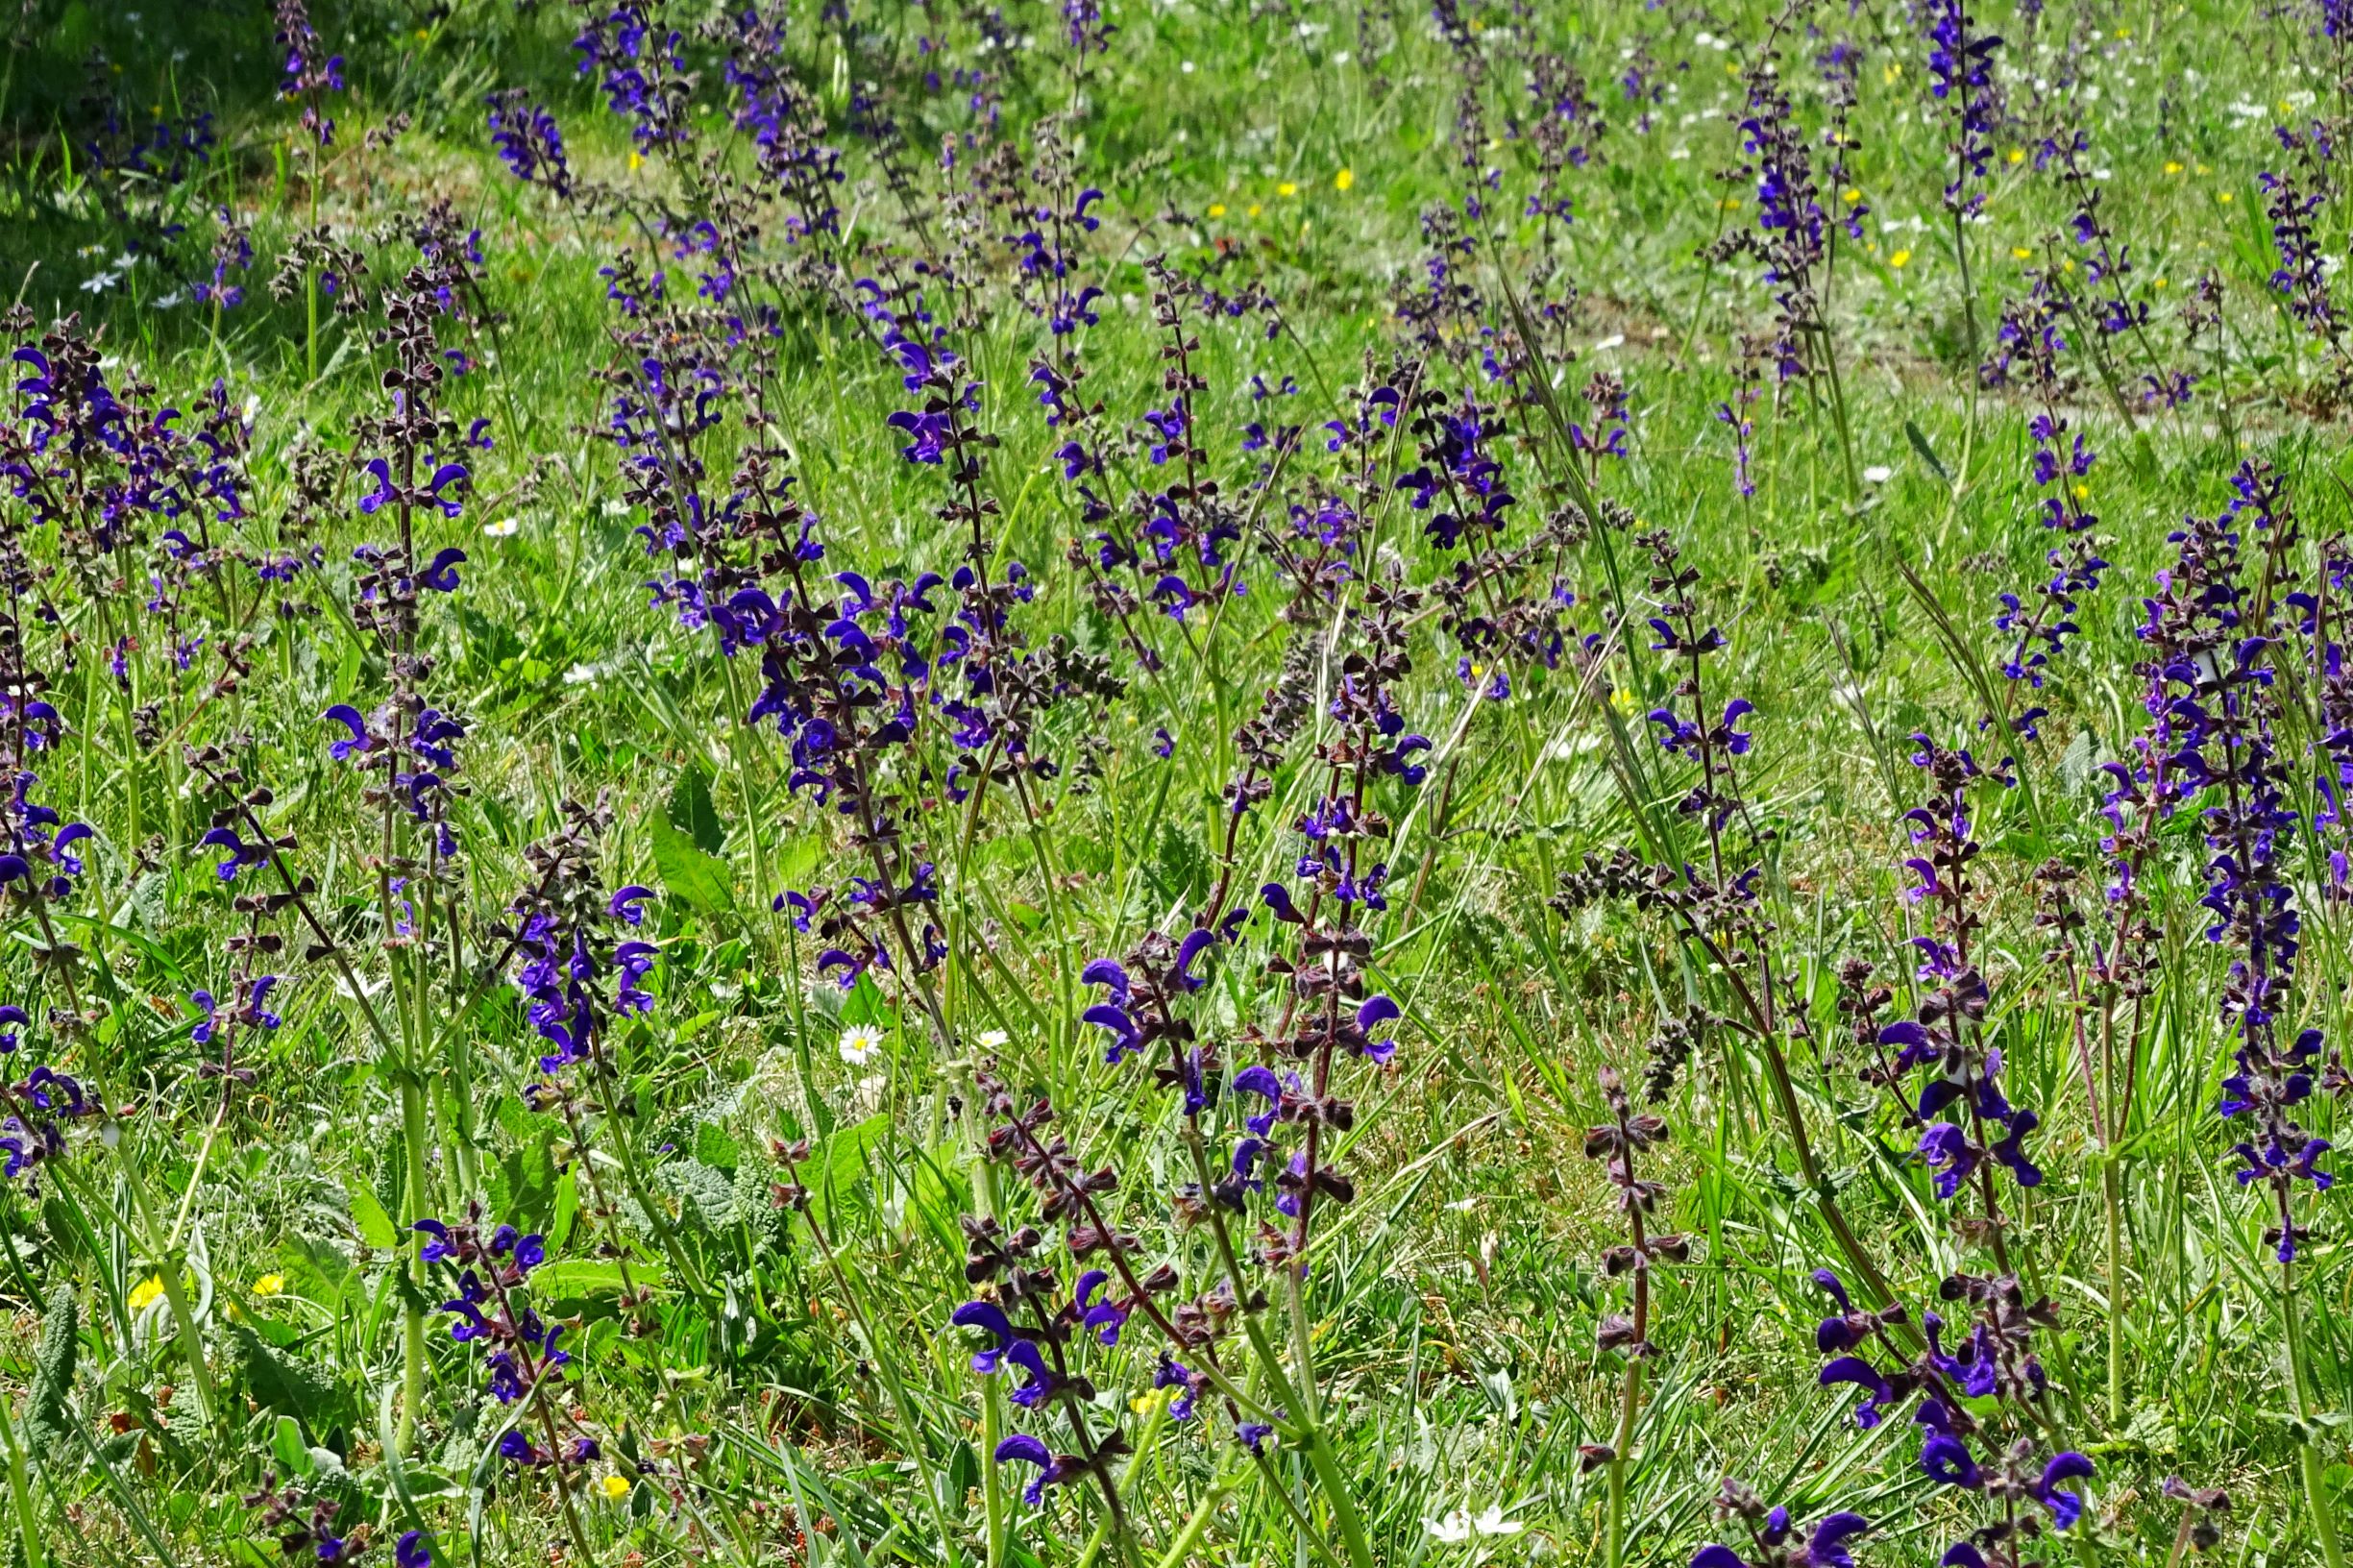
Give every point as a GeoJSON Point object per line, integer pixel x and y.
{"type": "Point", "coordinates": [1851, 195]}
{"type": "Point", "coordinates": [2223, 196]}
{"type": "Point", "coordinates": [1287, 190]}
{"type": "Point", "coordinates": [1344, 179]}
{"type": "Point", "coordinates": [1256, 210]}
{"type": "Point", "coordinates": [637, 160]}
{"type": "Point", "coordinates": [2172, 166]}
{"type": "Point", "coordinates": [2018, 154]}
{"type": "Point", "coordinates": [270, 1284]}
{"type": "Point", "coordinates": [144, 1293]}
{"type": "Point", "coordinates": [614, 1488]}
{"type": "Point", "coordinates": [1218, 210]}
{"type": "Point", "coordinates": [1898, 258]}
{"type": "Point", "coordinates": [2019, 252]}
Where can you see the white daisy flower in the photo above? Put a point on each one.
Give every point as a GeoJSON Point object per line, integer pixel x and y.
{"type": "Point", "coordinates": [861, 1043]}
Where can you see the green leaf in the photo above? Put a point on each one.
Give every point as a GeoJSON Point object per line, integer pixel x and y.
{"type": "Point", "coordinates": [709, 1195]}
{"type": "Point", "coordinates": [865, 1003]}
{"type": "Point", "coordinates": [839, 1162]}
{"type": "Point", "coordinates": [566, 1207]}
{"type": "Point", "coordinates": [591, 1276]}
{"type": "Point", "coordinates": [523, 1188]}
{"type": "Point", "coordinates": [53, 1371]}
{"type": "Point", "coordinates": [694, 877]}
{"type": "Point", "coordinates": [282, 1384]}
{"type": "Point", "coordinates": [692, 812]}
{"type": "Point", "coordinates": [1927, 453]}
{"type": "Point", "coordinates": [376, 1227]}
{"type": "Point", "coordinates": [714, 1147]}
{"type": "Point", "coordinates": [797, 858]}
{"type": "Point", "coordinates": [287, 1447]}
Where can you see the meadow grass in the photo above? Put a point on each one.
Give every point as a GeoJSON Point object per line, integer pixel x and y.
{"type": "Point", "coordinates": [756, 1188]}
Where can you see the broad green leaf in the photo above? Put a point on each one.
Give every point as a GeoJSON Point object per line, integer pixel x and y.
{"type": "Point", "coordinates": [48, 1411]}
{"type": "Point", "coordinates": [376, 1227]}
{"type": "Point", "coordinates": [691, 812]}
{"type": "Point", "coordinates": [693, 876]}
{"type": "Point", "coordinates": [282, 1382]}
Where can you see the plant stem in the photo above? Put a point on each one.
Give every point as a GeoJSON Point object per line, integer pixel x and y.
{"type": "Point", "coordinates": [172, 1260]}
{"type": "Point", "coordinates": [2316, 1481]}
{"type": "Point", "coordinates": [2112, 1199]}
{"type": "Point", "coordinates": [21, 1491]}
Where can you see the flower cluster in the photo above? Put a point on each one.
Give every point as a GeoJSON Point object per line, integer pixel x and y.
{"type": "Point", "coordinates": [1992, 1358]}
{"type": "Point", "coordinates": [1965, 1117]}
{"type": "Point", "coordinates": [1961, 76]}
{"type": "Point", "coordinates": [2215, 694]}
{"type": "Point", "coordinates": [310, 73]}
{"type": "Point", "coordinates": [1616, 1143]}
{"type": "Point", "coordinates": [1774, 1538]}
{"type": "Point", "coordinates": [529, 141]}
{"type": "Point", "coordinates": [522, 1361]}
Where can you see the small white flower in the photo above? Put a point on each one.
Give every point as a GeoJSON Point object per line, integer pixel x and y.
{"type": "Point", "coordinates": [993, 1039]}
{"type": "Point", "coordinates": [580, 675]}
{"type": "Point", "coordinates": [1492, 1522]}
{"type": "Point", "coordinates": [504, 527]}
{"type": "Point", "coordinates": [1615, 340]}
{"type": "Point", "coordinates": [1460, 1524]}
{"type": "Point", "coordinates": [1877, 474]}
{"type": "Point", "coordinates": [861, 1043]}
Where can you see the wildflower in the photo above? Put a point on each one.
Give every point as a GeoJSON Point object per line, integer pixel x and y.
{"type": "Point", "coordinates": [1344, 180]}
{"type": "Point", "coordinates": [270, 1284]}
{"type": "Point", "coordinates": [527, 140]}
{"type": "Point", "coordinates": [614, 1488]}
{"type": "Point", "coordinates": [1899, 259]}
{"type": "Point", "coordinates": [146, 1293]}
{"type": "Point", "coordinates": [861, 1043]}
{"type": "Point", "coordinates": [1774, 1538]}
{"type": "Point", "coordinates": [1460, 1524]}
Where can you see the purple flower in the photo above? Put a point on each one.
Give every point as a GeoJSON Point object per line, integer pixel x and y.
{"type": "Point", "coordinates": [2065, 1508]}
